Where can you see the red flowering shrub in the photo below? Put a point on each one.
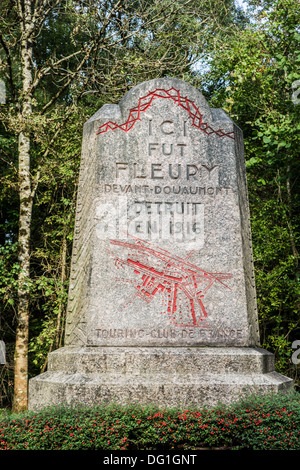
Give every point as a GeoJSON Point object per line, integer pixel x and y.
{"type": "Point", "coordinates": [257, 423]}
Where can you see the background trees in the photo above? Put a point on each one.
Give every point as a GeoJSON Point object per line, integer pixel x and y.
{"type": "Point", "coordinates": [252, 75]}
{"type": "Point", "coordinates": [61, 60]}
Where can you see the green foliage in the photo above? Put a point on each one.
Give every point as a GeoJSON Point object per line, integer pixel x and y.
{"type": "Point", "coordinates": [251, 77]}
{"type": "Point", "coordinates": [84, 54]}
{"type": "Point", "coordinates": [9, 269]}
{"type": "Point", "coordinates": [254, 60]}
{"type": "Point", "coordinates": [255, 423]}
{"type": "Point", "coordinates": [271, 423]}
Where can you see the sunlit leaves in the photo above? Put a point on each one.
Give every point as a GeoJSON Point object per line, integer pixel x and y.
{"type": "Point", "coordinates": [255, 71]}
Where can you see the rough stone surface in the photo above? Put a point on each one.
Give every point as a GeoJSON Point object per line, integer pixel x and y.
{"type": "Point", "coordinates": [168, 377]}
{"type": "Point", "coordinates": [162, 301]}
{"type": "Point", "coordinates": [162, 254]}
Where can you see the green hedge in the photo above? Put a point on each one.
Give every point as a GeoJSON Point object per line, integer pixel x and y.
{"type": "Point", "coordinates": [255, 423]}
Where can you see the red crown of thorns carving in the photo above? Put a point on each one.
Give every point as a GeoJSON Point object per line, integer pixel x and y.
{"type": "Point", "coordinates": [146, 101]}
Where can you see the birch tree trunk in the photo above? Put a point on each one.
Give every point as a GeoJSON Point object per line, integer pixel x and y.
{"type": "Point", "coordinates": [25, 194]}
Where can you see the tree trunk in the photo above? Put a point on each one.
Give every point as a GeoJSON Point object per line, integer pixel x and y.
{"type": "Point", "coordinates": [25, 194]}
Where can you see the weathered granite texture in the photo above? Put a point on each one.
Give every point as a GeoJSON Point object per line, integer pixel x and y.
{"type": "Point", "coordinates": [168, 377]}
{"type": "Point", "coordinates": [137, 189]}
{"type": "Point", "coordinates": [162, 300]}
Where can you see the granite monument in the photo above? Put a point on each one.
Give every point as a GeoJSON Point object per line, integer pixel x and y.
{"type": "Point", "coordinates": [162, 300]}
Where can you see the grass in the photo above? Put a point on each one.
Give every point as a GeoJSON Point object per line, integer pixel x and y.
{"type": "Point", "coordinates": [270, 422]}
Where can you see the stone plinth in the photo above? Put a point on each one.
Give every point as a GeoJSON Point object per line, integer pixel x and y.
{"type": "Point", "coordinates": [167, 376]}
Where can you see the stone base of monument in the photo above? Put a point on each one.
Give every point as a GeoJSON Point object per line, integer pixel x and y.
{"type": "Point", "coordinates": [167, 377]}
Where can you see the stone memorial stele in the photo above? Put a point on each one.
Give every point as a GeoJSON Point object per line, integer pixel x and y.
{"type": "Point", "coordinates": [162, 301]}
